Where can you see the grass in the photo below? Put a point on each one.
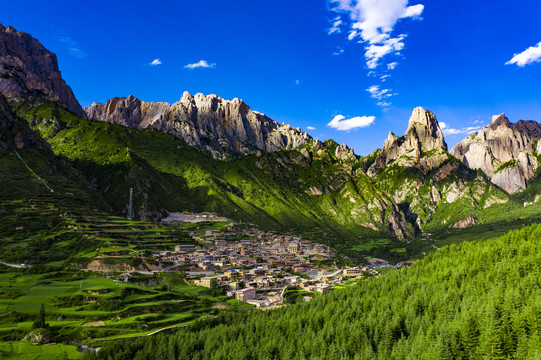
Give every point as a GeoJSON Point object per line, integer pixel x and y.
{"type": "Point", "coordinates": [126, 309]}
{"type": "Point", "coordinates": [24, 351]}
{"type": "Point", "coordinates": [370, 244]}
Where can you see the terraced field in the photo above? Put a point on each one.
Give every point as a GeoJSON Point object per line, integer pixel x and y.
{"type": "Point", "coordinates": [48, 245]}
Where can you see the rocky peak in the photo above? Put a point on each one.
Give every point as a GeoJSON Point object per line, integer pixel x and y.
{"type": "Point", "coordinates": [423, 135]}
{"type": "Point", "coordinates": [29, 71]}
{"type": "Point", "coordinates": [391, 139]}
{"type": "Point", "coordinates": [186, 97]}
{"type": "Point", "coordinates": [223, 128]}
{"type": "Point", "coordinates": [424, 132]}
{"type": "Point", "coordinates": [342, 152]}
{"type": "Point", "coordinates": [499, 120]}
{"type": "Point", "coordinates": [506, 152]}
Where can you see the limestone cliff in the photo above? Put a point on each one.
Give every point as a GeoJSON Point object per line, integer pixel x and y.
{"type": "Point", "coordinates": [221, 127]}
{"type": "Point", "coordinates": [28, 71]}
{"type": "Point", "coordinates": [425, 180]}
{"type": "Point", "coordinates": [506, 152]}
{"type": "Point", "coordinates": [422, 145]}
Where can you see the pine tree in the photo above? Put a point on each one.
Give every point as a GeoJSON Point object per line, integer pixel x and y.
{"type": "Point", "coordinates": [470, 336]}
{"type": "Point", "coordinates": [40, 323]}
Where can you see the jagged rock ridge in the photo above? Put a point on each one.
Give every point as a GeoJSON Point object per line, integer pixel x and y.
{"type": "Point", "coordinates": [506, 152]}
{"type": "Point", "coordinates": [28, 70]}
{"type": "Point", "coordinates": [221, 127]}
{"type": "Point", "coordinates": [422, 136]}
{"type": "Point", "coordinates": [420, 175]}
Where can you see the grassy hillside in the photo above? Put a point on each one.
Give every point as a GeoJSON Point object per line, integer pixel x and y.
{"type": "Point", "coordinates": [478, 300]}
{"type": "Point", "coordinates": [308, 191]}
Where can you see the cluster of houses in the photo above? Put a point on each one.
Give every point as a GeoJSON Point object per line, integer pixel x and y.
{"type": "Point", "coordinates": [184, 217]}
{"type": "Point", "coordinates": [257, 266]}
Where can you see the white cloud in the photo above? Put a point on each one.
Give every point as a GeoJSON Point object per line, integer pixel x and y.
{"type": "Point", "coordinates": [335, 26]}
{"type": "Point", "coordinates": [375, 52]}
{"type": "Point", "coordinates": [528, 56]}
{"type": "Point", "coordinates": [414, 11]}
{"type": "Point", "coordinates": [200, 64]}
{"type": "Point", "coordinates": [297, 82]}
{"type": "Point", "coordinates": [156, 62]}
{"type": "Point", "coordinates": [384, 77]}
{"type": "Point", "coordinates": [339, 122]}
{"type": "Point", "coordinates": [310, 128]}
{"type": "Point", "coordinates": [379, 94]}
{"type": "Point", "coordinates": [338, 52]}
{"type": "Point", "coordinates": [392, 65]}
{"type": "Point", "coordinates": [374, 21]}
{"type": "Point", "coordinates": [446, 130]}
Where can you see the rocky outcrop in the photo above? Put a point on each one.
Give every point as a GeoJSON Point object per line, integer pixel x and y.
{"type": "Point", "coordinates": [469, 221]}
{"type": "Point", "coordinates": [425, 180]}
{"type": "Point", "coordinates": [507, 153]}
{"type": "Point", "coordinates": [422, 144]}
{"type": "Point", "coordinates": [29, 71]}
{"type": "Point", "coordinates": [344, 153]}
{"type": "Point", "coordinates": [221, 127]}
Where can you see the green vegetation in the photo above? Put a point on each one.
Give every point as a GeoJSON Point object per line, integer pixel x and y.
{"type": "Point", "coordinates": [507, 165]}
{"type": "Point", "coordinates": [285, 191]}
{"type": "Point", "coordinates": [317, 196]}
{"type": "Point", "coordinates": [477, 300]}
{"type": "Point", "coordinates": [71, 305]}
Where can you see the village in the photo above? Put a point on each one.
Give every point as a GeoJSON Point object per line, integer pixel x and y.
{"type": "Point", "coordinates": [256, 266]}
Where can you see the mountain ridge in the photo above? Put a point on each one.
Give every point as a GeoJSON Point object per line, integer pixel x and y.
{"type": "Point", "coordinates": [507, 152]}
{"type": "Point", "coordinates": [263, 170]}
{"type": "Point", "coordinates": [223, 128]}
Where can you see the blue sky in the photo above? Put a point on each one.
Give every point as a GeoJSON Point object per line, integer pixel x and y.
{"type": "Point", "coordinates": [305, 63]}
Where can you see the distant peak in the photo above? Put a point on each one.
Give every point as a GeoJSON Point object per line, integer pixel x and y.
{"type": "Point", "coordinates": [390, 140]}
{"type": "Point", "coordinates": [186, 97]}
{"type": "Point", "coordinates": [498, 120]}
{"type": "Point", "coordinates": [422, 116]}
{"type": "Point", "coordinates": [424, 127]}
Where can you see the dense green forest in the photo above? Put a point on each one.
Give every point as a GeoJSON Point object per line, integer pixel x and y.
{"type": "Point", "coordinates": [476, 300]}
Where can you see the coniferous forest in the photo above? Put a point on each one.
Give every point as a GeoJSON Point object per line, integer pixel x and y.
{"type": "Point", "coordinates": [468, 301]}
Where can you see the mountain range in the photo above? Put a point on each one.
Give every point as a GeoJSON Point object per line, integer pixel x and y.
{"type": "Point", "coordinates": [204, 153]}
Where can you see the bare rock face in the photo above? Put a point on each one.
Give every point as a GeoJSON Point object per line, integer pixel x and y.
{"type": "Point", "coordinates": [28, 70]}
{"type": "Point", "coordinates": [506, 152]}
{"type": "Point", "coordinates": [221, 127]}
{"type": "Point", "coordinates": [423, 137]}
{"type": "Point", "coordinates": [342, 152]}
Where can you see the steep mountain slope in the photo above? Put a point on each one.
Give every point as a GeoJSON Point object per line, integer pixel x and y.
{"type": "Point", "coordinates": [222, 128]}
{"type": "Point", "coordinates": [40, 192]}
{"type": "Point", "coordinates": [318, 189]}
{"type": "Point", "coordinates": [432, 186]}
{"type": "Point", "coordinates": [28, 71]}
{"type": "Point", "coordinates": [205, 153]}
{"type": "Point", "coordinates": [507, 153]}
